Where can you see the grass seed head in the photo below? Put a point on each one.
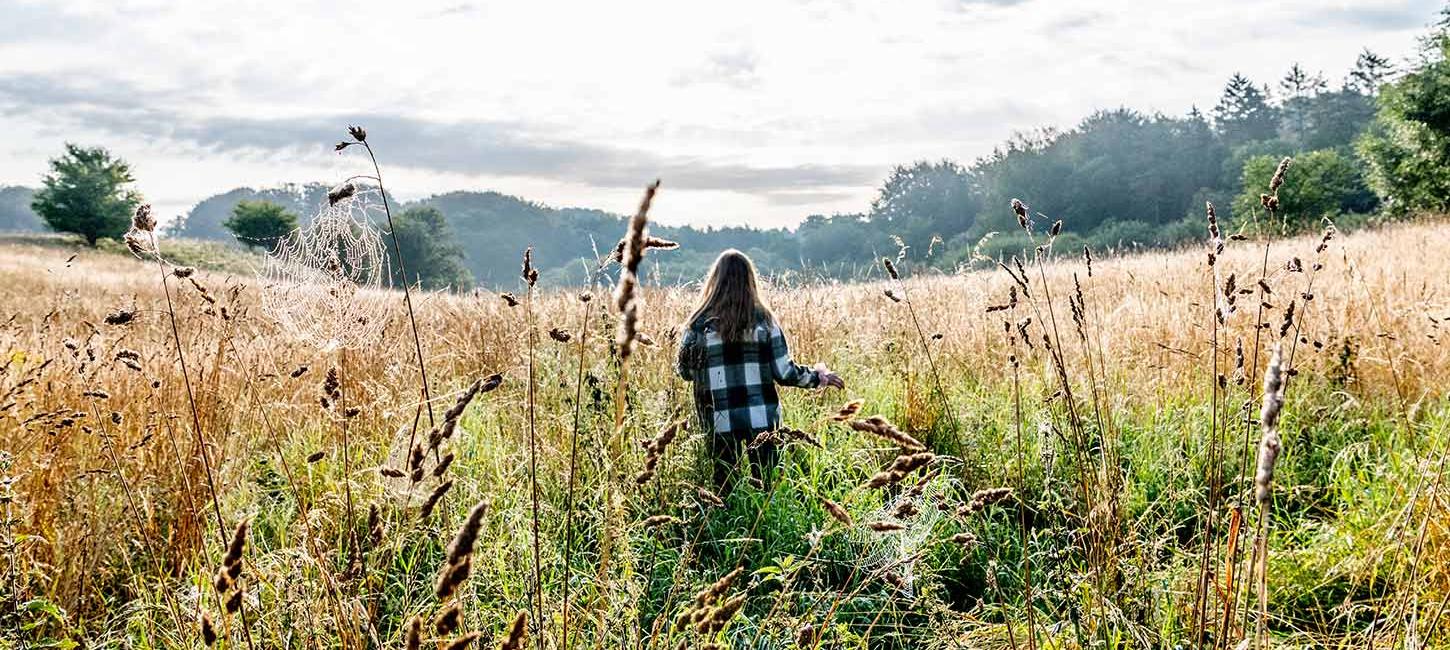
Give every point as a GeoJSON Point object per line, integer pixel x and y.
{"type": "Point", "coordinates": [518, 633]}
{"type": "Point", "coordinates": [448, 620]}
{"type": "Point", "coordinates": [414, 635]}
{"type": "Point", "coordinates": [452, 576]}
{"type": "Point", "coordinates": [837, 512]}
{"type": "Point", "coordinates": [433, 498]}
{"type": "Point", "coordinates": [462, 642]}
{"type": "Point", "coordinates": [467, 535]}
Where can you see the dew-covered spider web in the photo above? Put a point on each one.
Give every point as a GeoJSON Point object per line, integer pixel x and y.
{"type": "Point", "coordinates": [326, 282]}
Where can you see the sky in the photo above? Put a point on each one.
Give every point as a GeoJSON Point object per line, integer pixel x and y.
{"type": "Point", "coordinates": [756, 113]}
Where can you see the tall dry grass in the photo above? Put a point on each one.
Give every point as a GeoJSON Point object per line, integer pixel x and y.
{"type": "Point", "coordinates": [110, 510]}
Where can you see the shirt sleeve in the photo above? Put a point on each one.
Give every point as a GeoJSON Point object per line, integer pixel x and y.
{"type": "Point", "coordinates": [785, 371]}
{"type": "Point", "coordinates": [687, 357]}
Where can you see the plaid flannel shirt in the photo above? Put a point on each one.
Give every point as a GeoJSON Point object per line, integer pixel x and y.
{"type": "Point", "coordinates": [734, 381]}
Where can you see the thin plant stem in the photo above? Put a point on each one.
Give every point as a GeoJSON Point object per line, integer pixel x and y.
{"type": "Point", "coordinates": [407, 291]}
{"type": "Point", "coordinates": [190, 396]}
{"type": "Point", "coordinates": [1022, 511]}
{"type": "Point", "coordinates": [573, 465]}
{"type": "Point", "coordinates": [538, 595]}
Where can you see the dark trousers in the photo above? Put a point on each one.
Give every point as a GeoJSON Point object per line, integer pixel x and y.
{"type": "Point", "coordinates": [725, 449]}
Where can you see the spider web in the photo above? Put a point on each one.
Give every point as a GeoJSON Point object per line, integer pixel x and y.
{"type": "Point", "coordinates": [326, 283]}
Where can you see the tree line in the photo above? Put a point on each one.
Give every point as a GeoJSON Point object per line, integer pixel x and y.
{"type": "Point", "coordinates": [1374, 142]}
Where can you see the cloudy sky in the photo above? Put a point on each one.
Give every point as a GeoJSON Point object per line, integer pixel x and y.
{"type": "Point", "coordinates": [750, 112]}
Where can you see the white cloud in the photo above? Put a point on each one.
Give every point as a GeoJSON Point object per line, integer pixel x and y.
{"type": "Point", "coordinates": [752, 112]}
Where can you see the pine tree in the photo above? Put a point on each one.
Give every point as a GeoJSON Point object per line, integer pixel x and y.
{"type": "Point", "coordinates": [1370, 72]}
{"type": "Point", "coordinates": [1243, 113]}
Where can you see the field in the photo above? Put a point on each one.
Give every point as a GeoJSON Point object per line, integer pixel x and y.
{"type": "Point", "coordinates": [270, 496]}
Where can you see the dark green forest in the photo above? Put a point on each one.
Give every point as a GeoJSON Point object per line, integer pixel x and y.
{"type": "Point", "coordinates": [1373, 143]}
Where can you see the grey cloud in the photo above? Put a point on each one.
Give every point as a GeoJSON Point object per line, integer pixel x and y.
{"type": "Point", "coordinates": [1390, 16]}
{"type": "Point", "coordinates": [496, 148]}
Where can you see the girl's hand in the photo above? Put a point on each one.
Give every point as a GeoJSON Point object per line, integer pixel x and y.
{"type": "Point", "coordinates": [828, 378]}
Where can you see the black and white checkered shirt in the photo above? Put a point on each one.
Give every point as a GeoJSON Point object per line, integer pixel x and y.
{"type": "Point", "coordinates": [735, 381]}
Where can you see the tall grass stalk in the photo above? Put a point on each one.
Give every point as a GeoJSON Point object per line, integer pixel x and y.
{"type": "Point", "coordinates": [142, 222]}
{"type": "Point", "coordinates": [1217, 314]}
{"type": "Point", "coordinates": [1252, 377]}
{"type": "Point", "coordinates": [925, 347]}
{"type": "Point", "coordinates": [1022, 495]}
{"type": "Point", "coordinates": [360, 137]}
{"type": "Point", "coordinates": [530, 277]}
{"type": "Point", "coordinates": [588, 301]}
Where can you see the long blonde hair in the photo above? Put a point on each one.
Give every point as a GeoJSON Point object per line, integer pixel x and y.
{"type": "Point", "coordinates": [730, 299]}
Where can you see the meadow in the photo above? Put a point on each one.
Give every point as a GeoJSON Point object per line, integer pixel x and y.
{"type": "Point", "coordinates": [1237, 444]}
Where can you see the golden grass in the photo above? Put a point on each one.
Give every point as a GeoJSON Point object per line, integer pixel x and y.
{"type": "Point", "coordinates": [1381, 298]}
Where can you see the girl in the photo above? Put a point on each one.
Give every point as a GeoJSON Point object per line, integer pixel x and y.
{"type": "Point", "coordinates": [734, 353]}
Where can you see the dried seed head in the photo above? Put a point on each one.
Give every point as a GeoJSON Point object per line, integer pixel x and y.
{"type": "Point", "coordinates": [121, 317]}
{"type": "Point", "coordinates": [518, 633]}
{"type": "Point", "coordinates": [208, 630]}
{"type": "Point", "coordinates": [650, 241]}
{"type": "Point", "coordinates": [448, 620]}
{"type": "Point", "coordinates": [451, 577]}
{"type": "Point", "coordinates": [879, 426]}
{"type": "Point", "coordinates": [890, 268]}
{"type": "Point", "coordinates": [981, 499]}
{"type": "Point", "coordinates": [837, 512]}
{"type": "Point", "coordinates": [805, 637]}
{"type": "Point", "coordinates": [528, 272]}
{"type": "Point", "coordinates": [415, 634]}
{"type": "Point", "coordinates": [1278, 179]}
{"type": "Point", "coordinates": [222, 581]}
{"type": "Point", "coordinates": [709, 498]}
{"type": "Point", "coordinates": [375, 525]}
{"type": "Point", "coordinates": [660, 520]}
{"type": "Point", "coordinates": [509, 299]}
{"type": "Point", "coordinates": [341, 193]}
{"type": "Point", "coordinates": [964, 539]}
{"type": "Point", "coordinates": [142, 220]}
{"type": "Point", "coordinates": [462, 642]}
{"type": "Point", "coordinates": [358, 133]}
{"type": "Point", "coordinates": [433, 498]}
{"type": "Point", "coordinates": [849, 410]}
{"type": "Point", "coordinates": [238, 544]}
{"type": "Point", "coordinates": [467, 535]}
{"type": "Point", "coordinates": [559, 335]}
{"type": "Point", "coordinates": [1021, 211]}
{"type": "Point", "coordinates": [885, 526]}
{"type": "Point", "coordinates": [443, 465]}
{"type": "Point", "coordinates": [1273, 391]}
